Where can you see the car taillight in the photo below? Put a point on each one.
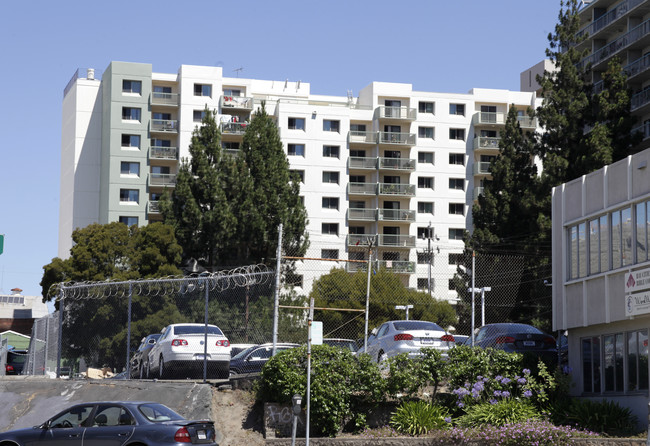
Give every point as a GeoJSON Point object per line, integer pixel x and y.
{"type": "Point", "coordinates": [447, 338]}
{"type": "Point", "coordinates": [9, 368]}
{"type": "Point", "coordinates": [223, 343]}
{"type": "Point", "coordinates": [178, 342]}
{"type": "Point", "coordinates": [505, 340]}
{"type": "Point", "coordinates": [182, 436]}
{"type": "Point", "coordinates": [403, 337]}
{"type": "Point", "coordinates": [549, 341]}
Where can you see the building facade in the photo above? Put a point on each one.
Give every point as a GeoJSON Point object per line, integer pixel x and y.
{"type": "Point", "coordinates": [382, 166]}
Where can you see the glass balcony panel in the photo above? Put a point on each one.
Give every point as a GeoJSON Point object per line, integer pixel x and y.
{"type": "Point", "coordinates": [396, 215]}
{"type": "Point", "coordinates": [154, 207]}
{"type": "Point", "coordinates": [233, 128]}
{"type": "Point", "coordinates": [362, 188]}
{"type": "Point", "coordinates": [353, 267]}
{"type": "Point", "coordinates": [237, 102]}
{"type": "Point", "coordinates": [361, 239]}
{"type": "Point", "coordinates": [478, 191]}
{"type": "Point", "coordinates": [361, 137]}
{"type": "Point", "coordinates": [164, 125]}
{"type": "Point", "coordinates": [526, 122]}
{"type": "Point", "coordinates": [617, 45]}
{"type": "Point", "coordinates": [486, 143]}
{"type": "Point", "coordinates": [398, 266]}
{"type": "Point", "coordinates": [163, 153]}
{"type": "Point", "coordinates": [162, 179]}
{"type": "Point", "coordinates": [393, 240]}
{"type": "Point", "coordinates": [402, 113]}
{"type": "Point", "coordinates": [482, 168]}
{"type": "Point", "coordinates": [362, 214]}
{"type": "Point", "coordinates": [397, 163]}
{"type": "Point", "coordinates": [357, 162]}
{"type": "Point", "coordinates": [494, 118]}
{"type": "Point", "coordinates": [407, 190]}
{"type": "Point", "coordinates": [406, 139]}
{"type": "Point", "coordinates": [159, 98]}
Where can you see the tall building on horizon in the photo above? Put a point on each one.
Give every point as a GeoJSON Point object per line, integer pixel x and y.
{"type": "Point", "coordinates": [386, 164]}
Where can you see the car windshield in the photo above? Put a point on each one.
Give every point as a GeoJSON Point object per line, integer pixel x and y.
{"type": "Point", "coordinates": [416, 325]}
{"type": "Point", "coordinates": [243, 353]}
{"type": "Point", "coordinates": [16, 358]}
{"type": "Point", "coordinates": [196, 329]}
{"type": "Point", "coordinates": [157, 412]}
{"type": "Point", "coordinates": [518, 328]}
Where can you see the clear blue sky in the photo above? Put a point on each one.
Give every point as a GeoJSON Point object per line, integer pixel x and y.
{"type": "Point", "coordinates": [336, 46]}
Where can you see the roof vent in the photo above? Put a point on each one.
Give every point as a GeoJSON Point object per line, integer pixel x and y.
{"type": "Point", "coordinates": [91, 74]}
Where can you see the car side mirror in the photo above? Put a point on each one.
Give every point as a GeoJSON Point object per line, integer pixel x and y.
{"type": "Point", "coordinates": [374, 331]}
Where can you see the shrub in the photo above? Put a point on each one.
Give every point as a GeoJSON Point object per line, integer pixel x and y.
{"type": "Point", "coordinates": [419, 417]}
{"type": "Point", "coordinates": [465, 364]}
{"type": "Point", "coordinates": [606, 417]}
{"type": "Point", "coordinates": [507, 411]}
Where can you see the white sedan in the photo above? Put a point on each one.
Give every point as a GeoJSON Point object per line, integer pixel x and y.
{"type": "Point", "coordinates": [181, 351]}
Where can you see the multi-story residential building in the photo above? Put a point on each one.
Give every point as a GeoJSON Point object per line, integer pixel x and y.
{"type": "Point", "coordinates": [382, 166]}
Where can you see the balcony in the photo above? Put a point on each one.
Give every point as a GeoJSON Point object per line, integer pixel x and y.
{"type": "Point", "coordinates": [486, 143]}
{"type": "Point", "coordinates": [632, 69]}
{"type": "Point", "coordinates": [406, 164]}
{"type": "Point", "coordinates": [164, 125]}
{"type": "Point", "coordinates": [236, 103]}
{"type": "Point", "coordinates": [604, 53]}
{"type": "Point", "coordinates": [482, 168]}
{"type": "Point", "coordinates": [362, 137]}
{"type": "Point", "coordinates": [356, 214]}
{"type": "Point", "coordinates": [398, 266]}
{"type": "Point", "coordinates": [153, 207]}
{"type": "Point", "coordinates": [610, 17]}
{"type": "Point", "coordinates": [478, 191]}
{"type": "Point", "coordinates": [396, 113]}
{"type": "Point", "coordinates": [489, 118]}
{"type": "Point", "coordinates": [363, 163]}
{"type": "Point", "coordinates": [233, 128]}
{"type": "Point", "coordinates": [353, 267]}
{"type": "Point", "coordinates": [396, 189]}
{"type": "Point", "coordinates": [169, 99]}
{"type": "Point", "coordinates": [640, 99]}
{"type": "Point", "coordinates": [397, 241]}
{"type": "Point", "coordinates": [162, 179]}
{"type": "Point", "coordinates": [526, 122]}
{"type": "Point", "coordinates": [404, 215]}
{"type": "Point", "coordinates": [362, 188]}
{"type": "Point", "coordinates": [361, 239]}
{"type": "Point", "coordinates": [163, 153]}
{"type": "Point", "coordinates": [403, 139]}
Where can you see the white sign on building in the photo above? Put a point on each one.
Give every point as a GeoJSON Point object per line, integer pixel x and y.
{"type": "Point", "coordinates": [638, 303]}
{"type": "Point", "coordinates": [637, 280]}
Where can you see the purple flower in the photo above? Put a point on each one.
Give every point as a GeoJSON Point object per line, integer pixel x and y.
{"type": "Point", "coordinates": [528, 393]}
{"type": "Point", "coordinates": [505, 381]}
{"type": "Point", "coordinates": [460, 404]}
{"type": "Point", "coordinates": [497, 393]}
{"type": "Point", "coordinates": [505, 394]}
{"type": "Point", "coordinates": [526, 371]}
{"type": "Point", "coordinates": [493, 401]}
{"type": "Point", "coordinates": [498, 377]}
{"type": "Point", "coordinates": [447, 419]}
{"type": "Point", "coordinates": [521, 380]}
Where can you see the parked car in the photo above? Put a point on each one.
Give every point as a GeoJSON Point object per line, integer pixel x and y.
{"type": "Point", "coordinates": [15, 362]}
{"type": "Point", "coordinates": [253, 359]}
{"type": "Point", "coordinates": [462, 339]}
{"type": "Point", "coordinates": [141, 356]}
{"type": "Point", "coordinates": [115, 422]}
{"type": "Point", "coordinates": [395, 337]}
{"type": "Point", "coordinates": [346, 344]}
{"type": "Point", "coordinates": [236, 348]}
{"type": "Point", "coordinates": [180, 351]}
{"type": "Point", "coordinates": [519, 338]}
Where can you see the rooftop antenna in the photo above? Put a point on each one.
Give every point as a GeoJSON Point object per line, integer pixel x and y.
{"type": "Point", "coordinates": [238, 70]}
{"type": "Point", "coordinates": [350, 97]}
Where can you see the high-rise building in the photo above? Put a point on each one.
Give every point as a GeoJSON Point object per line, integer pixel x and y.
{"type": "Point", "coordinates": [387, 164]}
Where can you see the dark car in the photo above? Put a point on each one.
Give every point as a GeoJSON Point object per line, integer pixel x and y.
{"type": "Point", "coordinates": [113, 422]}
{"type": "Point", "coordinates": [519, 338]}
{"type": "Point", "coordinates": [141, 355]}
{"type": "Point", "coordinates": [345, 344]}
{"type": "Point", "coordinates": [15, 362]}
{"type": "Point", "coordinates": [253, 358]}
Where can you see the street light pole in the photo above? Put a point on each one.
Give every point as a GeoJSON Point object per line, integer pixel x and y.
{"type": "Point", "coordinates": [430, 255]}
{"type": "Point", "coordinates": [404, 307]}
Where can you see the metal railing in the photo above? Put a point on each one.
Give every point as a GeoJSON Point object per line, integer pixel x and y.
{"type": "Point", "coordinates": [361, 239]}
{"type": "Point", "coordinates": [237, 102]}
{"type": "Point", "coordinates": [405, 215]}
{"type": "Point", "coordinates": [357, 162]}
{"type": "Point", "coordinates": [362, 188]}
{"type": "Point", "coordinates": [406, 139]}
{"type": "Point", "coordinates": [398, 266]}
{"type": "Point", "coordinates": [164, 125]}
{"type": "Point", "coordinates": [402, 113]}
{"type": "Point", "coordinates": [608, 18]}
{"type": "Point", "coordinates": [496, 118]}
{"type": "Point", "coordinates": [397, 241]}
{"type": "Point", "coordinates": [526, 122]}
{"type": "Point", "coordinates": [617, 45]}
{"type": "Point", "coordinates": [362, 214]}
{"type": "Point", "coordinates": [163, 153]}
{"type": "Point", "coordinates": [407, 190]}
{"type": "Point", "coordinates": [482, 168]}
{"type": "Point", "coordinates": [362, 137]}
{"type": "Point", "coordinates": [486, 142]}
{"type": "Point", "coordinates": [397, 163]}
{"type": "Point", "coordinates": [159, 98]}
{"type": "Point", "coordinates": [640, 99]}
{"type": "Point", "coordinates": [162, 179]}
{"type": "Point", "coordinates": [233, 128]}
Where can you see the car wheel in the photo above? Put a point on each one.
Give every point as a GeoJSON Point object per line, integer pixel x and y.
{"type": "Point", "coordinates": [381, 357]}
{"type": "Point", "coordinates": [141, 371]}
{"type": "Point", "coordinates": [162, 373]}
{"type": "Point", "coordinates": [148, 371]}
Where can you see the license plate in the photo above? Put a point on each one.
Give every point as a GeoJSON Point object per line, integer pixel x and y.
{"type": "Point", "coordinates": [199, 357]}
{"type": "Point", "coordinates": [201, 435]}
{"type": "Point", "coordinates": [426, 340]}
{"type": "Point", "coordinates": [529, 343]}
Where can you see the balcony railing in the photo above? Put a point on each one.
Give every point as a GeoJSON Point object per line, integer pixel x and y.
{"type": "Point", "coordinates": [362, 214]}
{"type": "Point", "coordinates": [494, 118]}
{"type": "Point", "coordinates": [397, 241]}
{"type": "Point", "coordinates": [478, 191]}
{"type": "Point", "coordinates": [164, 125]}
{"type": "Point", "coordinates": [482, 168]}
{"type": "Point", "coordinates": [397, 163]}
{"type": "Point", "coordinates": [362, 188]}
{"type": "Point", "coordinates": [237, 102]}
{"type": "Point", "coordinates": [640, 99]}
{"type": "Point", "coordinates": [361, 239]}
{"type": "Point", "coordinates": [163, 153]}
{"type": "Point", "coordinates": [406, 215]}
{"type": "Point", "coordinates": [162, 179]}
{"type": "Point", "coordinates": [486, 143]}
{"type": "Point", "coordinates": [233, 128]}
{"type": "Point", "coordinates": [526, 122]}
{"type": "Point", "coordinates": [611, 16]}
{"type": "Point", "coordinates": [617, 45]}
{"type": "Point", "coordinates": [357, 162]}
{"type": "Point", "coordinates": [353, 267]}
{"type": "Point", "coordinates": [154, 207]}
{"type": "Point", "coordinates": [158, 98]}
{"type": "Point", "coordinates": [401, 113]}
{"type": "Point", "coordinates": [362, 137]}
{"type": "Point", "coordinates": [398, 266]}
{"type": "Point", "coordinates": [632, 69]}
{"type": "Point", "coordinates": [406, 190]}
{"type": "Point", "coordinates": [405, 139]}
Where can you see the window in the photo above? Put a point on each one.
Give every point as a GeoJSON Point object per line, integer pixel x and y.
{"type": "Point", "coordinates": [425, 132]}
{"type": "Point", "coordinates": [331, 151]}
{"type": "Point", "coordinates": [456, 259]}
{"type": "Point", "coordinates": [423, 257]}
{"type": "Point", "coordinates": [357, 127]}
{"type": "Point", "coordinates": [198, 115]}
{"type": "Point", "coordinates": [331, 177]}
{"type": "Point", "coordinates": [129, 195]}
{"type": "Point", "coordinates": [331, 125]}
{"type": "Point", "coordinates": [456, 209]}
{"type": "Point", "coordinates": [297, 123]}
{"type": "Point", "coordinates": [230, 145]}
{"type": "Point", "coordinates": [330, 228]}
{"type": "Point", "coordinates": [425, 157]}
{"type": "Point", "coordinates": [329, 253]}
{"type": "Point", "coordinates": [425, 207]}
{"type": "Point", "coordinates": [202, 90]}
{"type": "Point", "coordinates": [131, 141]}
{"type": "Point", "coordinates": [293, 279]}
{"type": "Point", "coordinates": [457, 109]}
{"type": "Point", "coordinates": [642, 212]}
{"type": "Point", "coordinates": [457, 158]}
{"type": "Point", "coordinates": [129, 168]}
{"type": "Point", "coordinates": [131, 86]}
{"type": "Point", "coordinates": [331, 203]}
{"type": "Point", "coordinates": [423, 232]}
{"type": "Point", "coordinates": [129, 221]}
{"type": "Point", "coordinates": [426, 107]}
{"type": "Point", "coordinates": [456, 233]}
{"type": "Point", "coordinates": [231, 92]}
{"type": "Point", "coordinates": [131, 114]}
{"type": "Point", "coordinates": [458, 134]}
{"type": "Point", "coordinates": [425, 182]}
{"type": "Point", "coordinates": [296, 149]}
{"type": "Point", "coordinates": [423, 283]}
{"type": "Point", "coordinates": [457, 183]}
{"type": "Point", "coordinates": [451, 285]}
{"type": "Point", "coordinates": [299, 173]}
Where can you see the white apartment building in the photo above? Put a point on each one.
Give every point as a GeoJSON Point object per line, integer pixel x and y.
{"type": "Point", "coordinates": [381, 166]}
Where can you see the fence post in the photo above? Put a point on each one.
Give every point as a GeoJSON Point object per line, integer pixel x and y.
{"type": "Point", "coordinates": [128, 334]}
{"type": "Point", "coordinates": [365, 334]}
{"type": "Point", "coordinates": [60, 340]}
{"type": "Point", "coordinates": [47, 343]}
{"type": "Point", "coordinates": [276, 302]}
{"type": "Point", "coordinates": [205, 335]}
